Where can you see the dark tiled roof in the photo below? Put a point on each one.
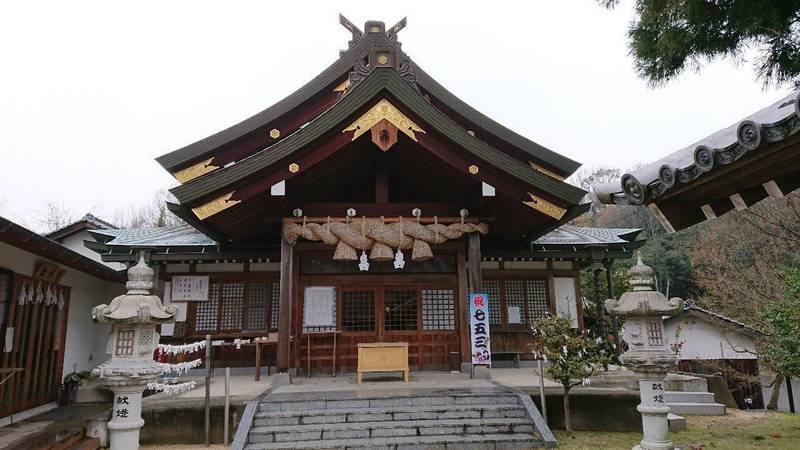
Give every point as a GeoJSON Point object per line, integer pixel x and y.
{"type": "Point", "coordinates": [186, 236]}
{"type": "Point", "coordinates": [175, 236]}
{"type": "Point", "coordinates": [25, 239]}
{"type": "Point", "coordinates": [378, 80]}
{"type": "Point", "coordinates": [644, 185]}
{"type": "Point", "coordinates": [87, 222]}
{"type": "Point", "coordinates": [691, 307]}
{"type": "Point", "coordinates": [572, 235]}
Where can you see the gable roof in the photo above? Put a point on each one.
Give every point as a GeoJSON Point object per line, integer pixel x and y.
{"type": "Point", "coordinates": [381, 79]}
{"type": "Point", "coordinates": [337, 73]}
{"type": "Point", "coordinates": [87, 222]}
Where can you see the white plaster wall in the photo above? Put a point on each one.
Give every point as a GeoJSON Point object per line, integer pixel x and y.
{"type": "Point", "coordinates": [783, 397]}
{"type": "Point", "coordinates": [706, 340]}
{"type": "Point", "coordinates": [85, 341]}
{"type": "Point", "coordinates": [75, 243]}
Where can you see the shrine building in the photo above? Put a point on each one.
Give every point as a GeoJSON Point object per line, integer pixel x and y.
{"type": "Point", "coordinates": [365, 207]}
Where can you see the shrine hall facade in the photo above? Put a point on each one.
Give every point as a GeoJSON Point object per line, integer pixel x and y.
{"type": "Point", "coordinates": [365, 207]}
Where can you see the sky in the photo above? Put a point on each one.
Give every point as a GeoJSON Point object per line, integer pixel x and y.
{"type": "Point", "coordinates": [92, 92]}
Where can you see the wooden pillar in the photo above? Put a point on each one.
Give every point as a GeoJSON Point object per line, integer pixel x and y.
{"type": "Point", "coordinates": [463, 306]}
{"type": "Point", "coordinates": [474, 257]}
{"type": "Point", "coordinates": [285, 313]}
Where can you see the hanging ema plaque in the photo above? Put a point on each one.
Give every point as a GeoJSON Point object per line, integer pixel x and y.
{"type": "Point", "coordinates": [479, 328]}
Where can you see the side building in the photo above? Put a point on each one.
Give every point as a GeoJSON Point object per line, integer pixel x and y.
{"type": "Point", "coordinates": [46, 293]}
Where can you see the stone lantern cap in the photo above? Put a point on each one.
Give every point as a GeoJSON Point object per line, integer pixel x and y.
{"type": "Point", "coordinates": [137, 306]}
{"type": "Point", "coordinates": [643, 300]}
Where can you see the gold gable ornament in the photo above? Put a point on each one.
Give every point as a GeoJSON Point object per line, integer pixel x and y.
{"type": "Point", "coordinates": [194, 171]}
{"type": "Point", "coordinates": [214, 206]}
{"type": "Point", "coordinates": [545, 206]}
{"type": "Point", "coordinates": [386, 120]}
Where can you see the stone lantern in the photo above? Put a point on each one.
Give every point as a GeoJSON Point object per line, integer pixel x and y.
{"type": "Point", "coordinates": [648, 357]}
{"type": "Point", "coordinates": [130, 365]}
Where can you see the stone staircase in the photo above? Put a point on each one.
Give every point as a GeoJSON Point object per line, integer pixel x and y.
{"type": "Point", "coordinates": [398, 419]}
{"type": "Point", "coordinates": [688, 403]}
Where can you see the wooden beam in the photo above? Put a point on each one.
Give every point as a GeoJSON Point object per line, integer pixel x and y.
{"type": "Point", "coordinates": [285, 311]}
{"type": "Point", "coordinates": [463, 306]}
{"type": "Point", "coordinates": [708, 211]}
{"type": "Point", "coordinates": [738, 202]}
{"type": "Point", "coordinates": [662, 219]}
{"type": "Point", "coordinates": [773, 189]}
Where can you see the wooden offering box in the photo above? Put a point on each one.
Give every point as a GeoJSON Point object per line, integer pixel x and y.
{"type": "Point", "coordinates": [383, 357]}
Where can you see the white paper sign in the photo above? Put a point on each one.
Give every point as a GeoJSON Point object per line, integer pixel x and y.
{"type": "Point", "coordinates": [189, 288]}
{"type": "Point", "coordinates": [318, 311]}
{"type": "Point", "coordinates": [514, 315]}
{"type": "Point", "coordinates": [479, 328]}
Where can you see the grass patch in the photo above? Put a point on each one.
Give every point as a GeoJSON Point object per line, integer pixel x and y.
{"type": "Point", "coordinates": [736, 430]}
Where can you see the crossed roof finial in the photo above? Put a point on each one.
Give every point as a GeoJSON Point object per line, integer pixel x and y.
{"type": "Point", "coordinates": [371, 26]}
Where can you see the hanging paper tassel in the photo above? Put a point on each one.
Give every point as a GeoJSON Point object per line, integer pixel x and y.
{"type": "Point", "coordinates": [39, 293]}
{"type": "Point", "coordinates": [185, 348]}
{"type": "Point", "coordinates": [171, 389]}
{"type": "Point", "coordinates": [23, 294]}
{"type": "Point", "coordinates": [399, 261]}
{"type": "Point", "coordinates": [363, 265]}
{"type": "Point", "coordinates": [60, 299]}
{"type": "Point", "coordinates": [179, 368]}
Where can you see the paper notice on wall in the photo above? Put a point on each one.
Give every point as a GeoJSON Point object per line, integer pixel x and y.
{"type": "Point", "coordinates": [189, 288]}
{"type": "Point", "coordinates": [318, 310]}
{"type": "Point", "coordinates": [514, 315]}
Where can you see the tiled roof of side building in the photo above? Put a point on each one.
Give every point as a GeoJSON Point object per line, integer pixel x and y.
{"type": "Point", "coordinates": [572, 235]}
{"type": "Point", "coordinates": [774, 123]}
{"type": "Point", "coordinates": [691, 307]}
{"type": "Point", "coordinates": [87, 222]}
{"type": "Point", "coordinates": [187, 236]}
{"type": "Point", "coordinates": [174, 236]}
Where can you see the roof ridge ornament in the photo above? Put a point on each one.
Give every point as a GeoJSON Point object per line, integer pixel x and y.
{"type": "Point", "coordinates": [372, 26]}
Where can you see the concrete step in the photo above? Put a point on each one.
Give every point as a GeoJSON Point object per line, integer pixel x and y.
{"type": "Point", "coordinates": [470, 441]}
{"type": "Point", "coordinates": [676, 423]}
{"type": "Point", "coordinates": [688, 397]}
{"type": "Point", "coordinates": [349, 415]}
{"type": "Point", "coordinates": [285, 405]}
{"type": "Point", "coordinates": [697, 409]}
{"type": "Point", "coordinates": [286, 433]}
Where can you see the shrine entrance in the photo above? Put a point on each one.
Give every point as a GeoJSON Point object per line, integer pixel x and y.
{"type": "Point", "coordinates": [421, 309]}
